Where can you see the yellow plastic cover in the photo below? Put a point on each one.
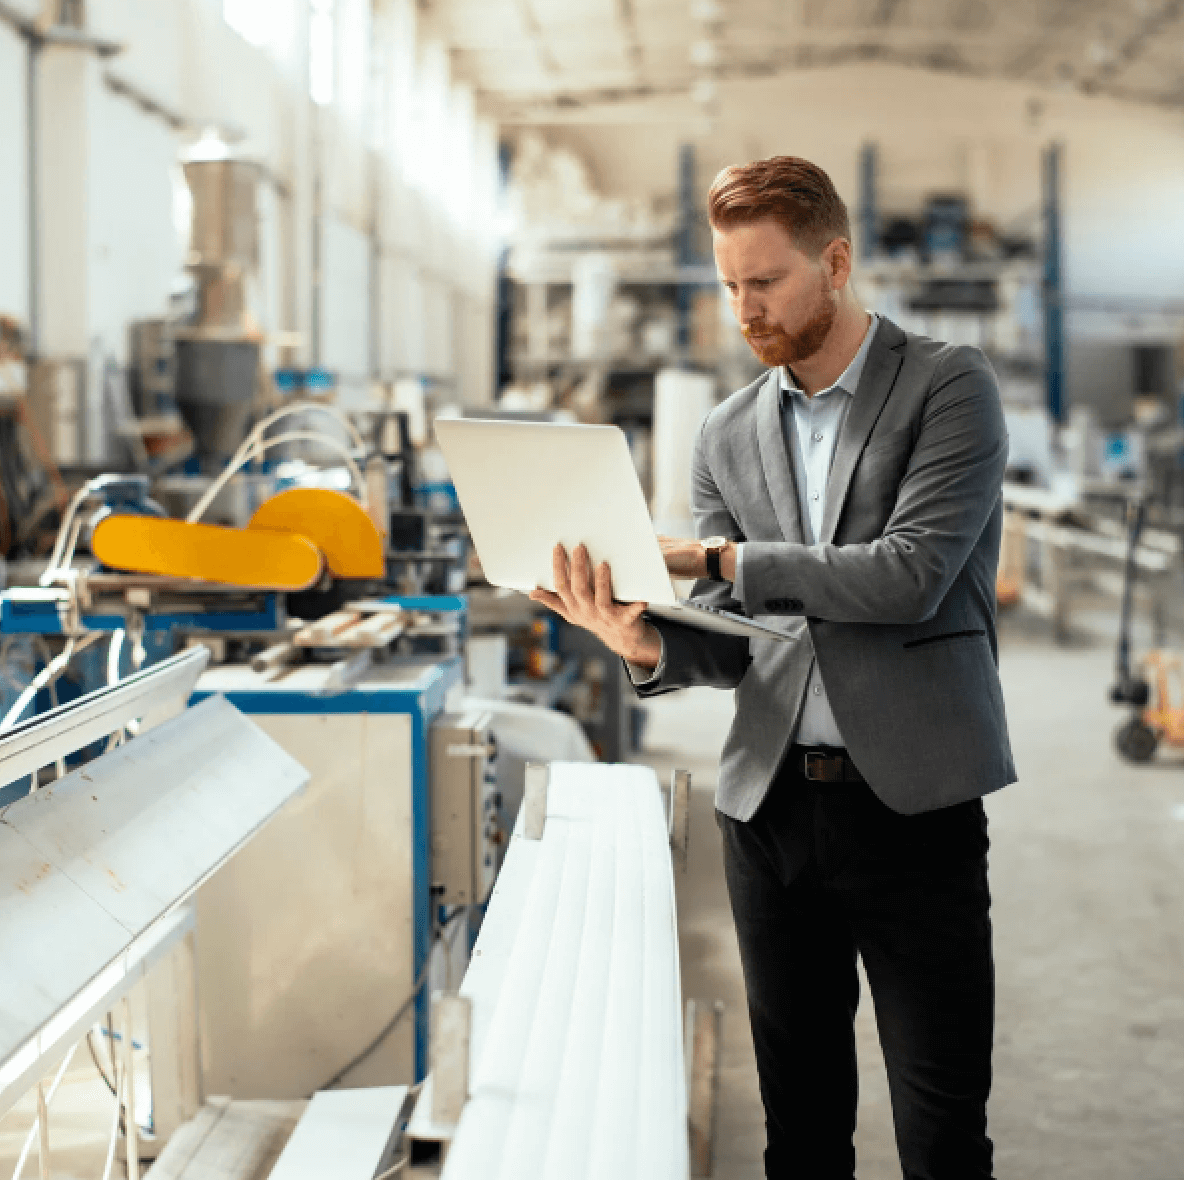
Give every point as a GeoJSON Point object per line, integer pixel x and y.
{"type": "Point", "coordinates": [336, 523]}
{"type": "Point", "coordinates": [178, 549]}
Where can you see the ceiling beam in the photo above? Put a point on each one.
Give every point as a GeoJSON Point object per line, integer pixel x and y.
{"type": "Point", "coordinates": [1134, 45]}
{"type": "Point", "coordinates": [538, 39]}
{"type": "Point", "coordinates": [628, 22]}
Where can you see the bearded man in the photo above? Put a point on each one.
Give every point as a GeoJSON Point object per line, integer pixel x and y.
{"type": "Point", "coordinates": [852, 495]}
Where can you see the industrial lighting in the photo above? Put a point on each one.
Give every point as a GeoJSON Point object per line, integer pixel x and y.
{"type": "Point", "coordinates": [707, 12]}
{"type": "Point", "coordinates": [211, 146]}
{"type": "Point", "coordinates": [704, 53]}
{"type": "Point", "coordinates": [266, 24]}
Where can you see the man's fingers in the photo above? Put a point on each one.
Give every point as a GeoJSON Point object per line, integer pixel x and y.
{"type": "Point", "coordinates": [561, 572]}
{"type": "Point", "coordinates": [581, 577]}
{"type": "Point", "coordinates": [550, 600]}
{"type": "Point", "coordinates": [604, 590]}
{"type": "Point", "coordinates": [634, 611]}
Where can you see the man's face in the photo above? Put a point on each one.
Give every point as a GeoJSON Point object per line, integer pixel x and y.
{"type": "Point", "coordinates": [784, 301]}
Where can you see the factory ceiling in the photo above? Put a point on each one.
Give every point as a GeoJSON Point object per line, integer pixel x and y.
{"type": "Point", "coordinates": [533, 58]}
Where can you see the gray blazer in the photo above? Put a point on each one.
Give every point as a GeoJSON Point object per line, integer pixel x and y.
{"type": "Point", "coordinates": [898, 596]}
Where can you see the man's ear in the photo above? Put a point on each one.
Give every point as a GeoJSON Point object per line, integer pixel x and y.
{"type": "Point", "coordinates": [836, 258]}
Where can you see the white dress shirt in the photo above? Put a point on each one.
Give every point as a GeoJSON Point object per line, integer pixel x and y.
{"type": "Point", "coordinates": [812, 426]}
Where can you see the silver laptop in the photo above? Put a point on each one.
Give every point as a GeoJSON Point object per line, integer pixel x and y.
{"type": "Point", "coordinates": [524, 486]}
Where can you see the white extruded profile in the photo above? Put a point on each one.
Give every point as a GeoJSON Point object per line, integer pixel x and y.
{"type": "Point", "coordinates": [35, 743]}
{"type": "Point", "coordinates": [577, 1049]}
{"type": "Point", "coordinates": [344, 1134]}
{"type": "Point", "coordinates": [93, 866]}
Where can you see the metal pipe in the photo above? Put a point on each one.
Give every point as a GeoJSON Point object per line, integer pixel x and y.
{"type": "Point", "coordinates": [32, 188]}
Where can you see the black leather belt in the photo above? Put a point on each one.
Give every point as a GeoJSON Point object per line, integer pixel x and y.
{"type": "Point", "coordinates": [820, 764]}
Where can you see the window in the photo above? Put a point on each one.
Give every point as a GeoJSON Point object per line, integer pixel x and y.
{"type": "Point", "coordinates": [265, 23]}
{"type": "Point", "coordinates": [322, 81]}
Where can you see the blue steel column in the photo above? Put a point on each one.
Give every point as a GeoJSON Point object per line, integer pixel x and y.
{"type": "Point", "coordinates": [1053, 286]}
{"type": "Point", "coordinates": [869, 238]}
{"type": "Point", "coordinates": [684, 245]}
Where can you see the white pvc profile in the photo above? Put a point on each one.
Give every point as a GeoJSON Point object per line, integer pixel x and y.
{"type": "Point", "coordinates": [577, 1068]}
{"type": "Point", "coordinates": [344, 1134]}
{"type": "Point", "coordinates": [35, 743]}
{"type": "Point", "coordinates": [92, 863]}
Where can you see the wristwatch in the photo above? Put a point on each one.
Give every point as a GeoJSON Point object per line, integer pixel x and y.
{"type": "Point", "coordinates": [713, 548]}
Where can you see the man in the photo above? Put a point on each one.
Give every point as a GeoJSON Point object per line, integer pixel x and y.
{"type": "Point", "coordinates": [852, 495]}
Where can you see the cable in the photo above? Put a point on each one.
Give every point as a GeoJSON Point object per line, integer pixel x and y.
{"type": "Point", "coordinates": [66, 531]}
{"type": "Point", "coordinates": [53, 1089]}
{"type": "Point", "coordinates": [90, 1044]}
{"type": "Point", "coordinates": [49, 673]}
{"type": "Point", "coordinates": [255, 445]}
{"type": "Point", "coordinates": [417, 987]}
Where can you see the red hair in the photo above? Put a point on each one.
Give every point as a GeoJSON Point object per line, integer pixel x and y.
{"type": "Point", "coordinates": [785, 189]}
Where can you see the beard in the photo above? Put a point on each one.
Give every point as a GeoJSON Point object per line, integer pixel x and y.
{"type": "Point", "coordinates": [779, 347]}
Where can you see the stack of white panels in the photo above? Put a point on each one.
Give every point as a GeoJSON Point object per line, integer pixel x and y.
{"type": "Point", "coordinates": [577, 1058]}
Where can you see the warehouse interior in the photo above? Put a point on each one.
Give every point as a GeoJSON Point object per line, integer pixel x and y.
{"type": "Point", "coordinates": [323, 851]}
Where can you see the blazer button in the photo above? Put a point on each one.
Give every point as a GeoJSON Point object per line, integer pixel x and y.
{"type": "Point", "coordinates": [774, 603]}
{"type": "Point", "coordinates": [794, 604]}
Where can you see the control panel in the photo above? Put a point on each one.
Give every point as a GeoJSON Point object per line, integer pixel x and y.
{"type": "Point", "coordinates": [466, 834]}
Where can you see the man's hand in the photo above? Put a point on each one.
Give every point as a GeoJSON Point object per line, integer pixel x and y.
{"type": "Point", "coordinates": [584, 597]}
{"type": "Point", "coordinates": [687, 559]}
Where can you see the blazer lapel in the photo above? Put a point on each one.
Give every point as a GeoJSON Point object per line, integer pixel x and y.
{"type": "Point", "coordinates": [883, 363]}
{"type": "Point", "coordinates": [775, 459]}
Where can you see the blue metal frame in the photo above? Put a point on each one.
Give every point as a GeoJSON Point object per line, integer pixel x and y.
{"type": "Point", "coordinates": [423, 700]}
{"type": "Point", "coordinates": [1053, 286]}
{"type": "Point", "coordinates": [869, 216]}
{"type": "Point", "coordinates": [42, 618]}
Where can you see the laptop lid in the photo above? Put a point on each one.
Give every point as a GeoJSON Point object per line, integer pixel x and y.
{"type": "Point", "coordinates": [524, 486]}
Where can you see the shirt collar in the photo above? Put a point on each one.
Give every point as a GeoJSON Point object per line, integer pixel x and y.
{"type": "Point", "coordinates": [848, 382]}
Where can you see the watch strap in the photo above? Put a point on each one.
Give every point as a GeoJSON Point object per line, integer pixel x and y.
{"type": "Point", "coordinates": [713, 570]}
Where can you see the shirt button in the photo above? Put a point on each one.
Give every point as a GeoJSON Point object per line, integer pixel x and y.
{"type": "Point", "coordinates": [817, 436]}
{"type": "Point", "coordinates": [818, 690]}
{"type": "Point", "coordinates": [814, 497]}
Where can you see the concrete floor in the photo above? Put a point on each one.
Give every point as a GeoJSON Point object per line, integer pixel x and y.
{"type": "Point", "coordinates": [1088, 880]}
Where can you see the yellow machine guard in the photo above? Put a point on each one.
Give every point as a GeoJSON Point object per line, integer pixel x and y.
{"type": "Point", "coordinates": [178, 549]}
{"type": "Point", "coordinates": [336, 523]}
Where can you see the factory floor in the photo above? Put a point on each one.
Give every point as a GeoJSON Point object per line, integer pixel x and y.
{"type": "Point", "coordinates": [1087, 870]}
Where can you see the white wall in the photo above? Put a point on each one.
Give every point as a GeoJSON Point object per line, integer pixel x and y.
{"type": "Point", "coordinates": [107, 208]}
{"type": "Point", "coordinates": [1124, 164]}
{"type": "Point", "coordinates": [14, 280]}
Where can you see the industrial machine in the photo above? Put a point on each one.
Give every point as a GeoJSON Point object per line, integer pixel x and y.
{"type": "Point", "coordinates": [466, 827]}
{"type": "Point", "coordinates": [315, 946]}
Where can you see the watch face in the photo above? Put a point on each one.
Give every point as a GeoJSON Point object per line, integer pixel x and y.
{"type": "Point", "coordinates": [714, 542]}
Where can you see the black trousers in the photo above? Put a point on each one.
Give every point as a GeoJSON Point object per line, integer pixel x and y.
{"type": "Point", "coordinates": [824, 873]}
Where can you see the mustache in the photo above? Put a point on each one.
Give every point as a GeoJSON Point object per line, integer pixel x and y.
{"type": "Point", "coordinates": [760, 328]}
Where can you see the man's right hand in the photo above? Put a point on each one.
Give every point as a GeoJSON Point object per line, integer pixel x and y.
{"type": "Point", "coordinates": [584, 598]}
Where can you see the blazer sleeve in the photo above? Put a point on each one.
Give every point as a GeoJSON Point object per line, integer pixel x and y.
{"type": "Point", "coordinates": [692, 657]}
{"type": "Point", "coordinates": [949, 490]}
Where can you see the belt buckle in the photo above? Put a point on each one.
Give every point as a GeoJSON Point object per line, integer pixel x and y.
{"type": "Point", "coordinates": [815, 759]}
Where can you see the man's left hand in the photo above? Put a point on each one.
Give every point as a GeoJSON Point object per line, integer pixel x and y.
{"type": "Point", "coordinates": [687, 559]}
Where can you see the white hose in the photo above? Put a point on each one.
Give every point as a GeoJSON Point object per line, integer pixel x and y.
{"type": "Point", "coordinates": [49, 673]}
{"type": "Point", "coordinates": [53, 1089]}
{"type": "Point", "coordinates": [67, 533]}
{"type": "Point", "coordinates": [113, 654]}
{"type": "Point", "coordinates": [255, 445]}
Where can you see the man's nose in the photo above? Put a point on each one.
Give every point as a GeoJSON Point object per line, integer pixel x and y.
{"type": "Point", "coordinates": [748, 308]}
